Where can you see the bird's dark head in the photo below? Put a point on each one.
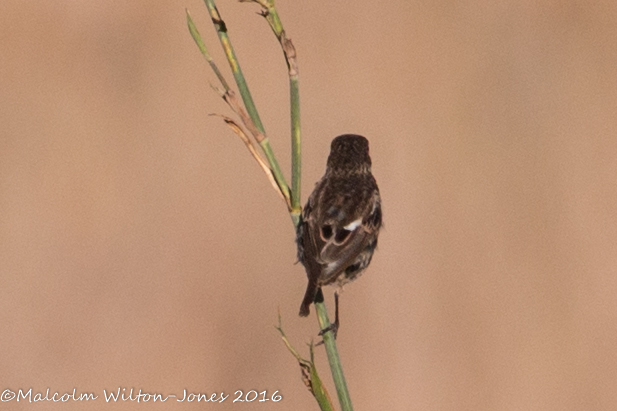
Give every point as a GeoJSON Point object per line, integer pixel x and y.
{"type": "Point", "coordinates": [349, 154]}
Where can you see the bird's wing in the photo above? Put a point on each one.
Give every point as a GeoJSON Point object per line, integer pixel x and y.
{"type": "Point", "coordinates": [340, 242]}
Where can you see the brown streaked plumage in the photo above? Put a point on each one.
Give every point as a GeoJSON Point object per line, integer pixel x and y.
{"type": "Point", "coordinates": [341, 220]}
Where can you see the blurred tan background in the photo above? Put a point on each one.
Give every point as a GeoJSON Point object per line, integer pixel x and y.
{"type": "Point", "coordinates": [141, 246]}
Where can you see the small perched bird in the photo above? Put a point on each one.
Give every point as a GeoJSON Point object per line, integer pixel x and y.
{"type": "Point", "coordinates": [341, 220]}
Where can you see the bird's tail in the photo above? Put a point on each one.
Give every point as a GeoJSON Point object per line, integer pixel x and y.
{"type": "Point", "coordinates": [309, 298]}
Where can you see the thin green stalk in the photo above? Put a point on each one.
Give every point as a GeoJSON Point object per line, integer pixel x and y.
{"type": "Point", "coordinates": [296, 149]}
{"type": "Point", "coordinates": [221, 30]}
{"type": "Point", "coordinates": [310, 376]}
{"type": "Point", "coordinates": [271, 14]}
{"type": "Point", "coordinates": [204, 50]}
{"type": "Point", "coordinates": [333, 358]}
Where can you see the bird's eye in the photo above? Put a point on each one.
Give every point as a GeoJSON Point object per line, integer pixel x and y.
{"type": "Point", "coordinates": [341, 236]}
{"type": "Point", "coordinates": [326, 232]}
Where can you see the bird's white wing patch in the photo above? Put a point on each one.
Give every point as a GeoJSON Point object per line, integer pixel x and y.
{"type": "Point", "coordinates": [353, 225]}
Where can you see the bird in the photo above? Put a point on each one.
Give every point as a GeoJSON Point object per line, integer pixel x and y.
{"type": "Point", "coordinates": [339, 226]}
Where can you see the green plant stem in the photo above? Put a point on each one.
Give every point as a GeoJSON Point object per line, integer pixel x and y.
{"type": "Point", "coordinates": [296, 150]}
{"type": "Point", "coordinates": [310, 376]}
{"type": "Point", "coordinates": [271, 14]}
{"type": "Point", "coordinates": [221, 30]}
{"type": "Point", "coordinates": [204, 50]}
{"type": "Point", "coordinates": [333, 358]}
